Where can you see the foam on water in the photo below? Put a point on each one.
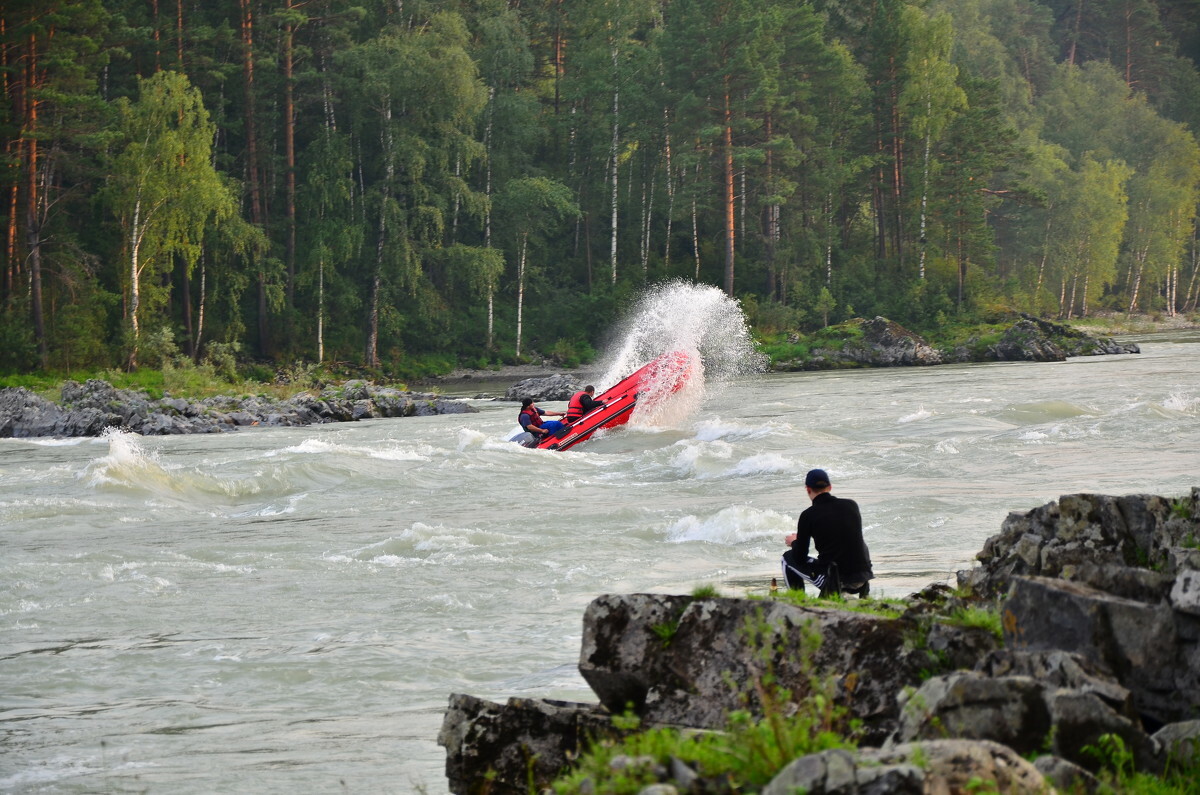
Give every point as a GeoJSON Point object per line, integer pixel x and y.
{"type": "Point", "coordinates": [921, 413]}
{"type": "Point", "coordinates": [716, 428]}
{"type": "Point", "coordinates": [128, 465]}
{"type": "Point", "coordinates": [1184, 404]}
{"type": "Point", "coordinates": [736, 524]}
{"type": "Point", "coordinates": [698, 320]}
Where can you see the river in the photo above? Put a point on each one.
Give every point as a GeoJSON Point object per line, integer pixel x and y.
{"type": "Point", "coordinates": [287, 610]}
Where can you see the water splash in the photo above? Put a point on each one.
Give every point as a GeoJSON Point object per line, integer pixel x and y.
{"type": "Point", "coordinates": [697, 319]}
{"type": "Point", "coordinates": [127, 465]}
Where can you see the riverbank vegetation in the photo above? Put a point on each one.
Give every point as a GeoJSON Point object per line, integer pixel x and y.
{"type": "Point", "coordinates": [401, 189]}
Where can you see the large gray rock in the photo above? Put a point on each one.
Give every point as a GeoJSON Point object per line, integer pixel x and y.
{"type": "Point", "coordinates": [500, 748]}
{"type": "Point", "coordinates": [708, 657]}
{"type": "Point", "coordinates": [551, 387]}
{"type": "Point", "coordinates": [1137, 641]}
{"type": "Point", "coordinates": [1086, 535]}
{"type": "Point", "coordinates": [1032, 339]}
{"type": "Point", "coordinates": [883, 343]}
{"type": "Point", "coordinates": [1022, 713]}
{"type": "Point", "coordinates": [1060, 669]}
{"type": "Point", "coordinates": [1179, 742]}
{"type": "Point", "coordinates": [1066, 776]}
{"type": "Point", "coordinates": [1010, 710]}
{"type": "Point", "coordinates": [925, 768]}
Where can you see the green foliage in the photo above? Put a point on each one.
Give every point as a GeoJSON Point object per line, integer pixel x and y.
{"type": "Point", "coordinates": [706, 591]}
{"type": "Point", "coordinates": [464, 184]}
{"type": "Point", "coordinates": [979, 617]}
{"type": "Point", "coordinates": [572, 353]}
{"type": "Point", "coordinates": [665, 631]}
{"type": "Point", "coordinates": [1181, 508]}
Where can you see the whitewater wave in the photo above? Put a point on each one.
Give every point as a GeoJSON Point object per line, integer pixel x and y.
{"type": "Point", "coordinates": [736, 524]}
{"type": "Point", "coordinates": [716, 428]}
{"type": "Point", "coordinates": [920, 414]}
{"type": "Point", "coordinates": [696, 319]}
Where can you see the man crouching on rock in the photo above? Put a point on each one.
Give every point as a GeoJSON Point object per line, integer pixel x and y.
{"type": "Point", "coordinates": [834, 525]}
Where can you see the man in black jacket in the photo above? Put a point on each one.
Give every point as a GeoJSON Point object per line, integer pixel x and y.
{"type": "Point", "coordinates": [834, 525]}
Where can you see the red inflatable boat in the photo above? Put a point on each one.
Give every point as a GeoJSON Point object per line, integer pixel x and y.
{"type": "Point", "coordinates": [662, 376]}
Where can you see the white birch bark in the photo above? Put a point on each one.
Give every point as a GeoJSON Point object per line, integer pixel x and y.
{"type": "Point", "coordinates": [520, 288]}
{"type": "Point", "coordinates": [613, 151]}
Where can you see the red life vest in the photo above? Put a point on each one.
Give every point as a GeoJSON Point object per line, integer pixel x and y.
{"type": "Point", "coordinates": [535, 419]}
{"type": "Point", "coordinates": [575, 406]}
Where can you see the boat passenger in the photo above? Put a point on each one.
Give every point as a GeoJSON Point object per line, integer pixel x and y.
{"type": "Point", "coordinates": [582, 403]}
{"type": "Point", "coordinates": [531, 420]}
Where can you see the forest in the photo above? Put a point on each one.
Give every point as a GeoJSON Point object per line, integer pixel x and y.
{"type": "Point", "coordinates": [412, 185]}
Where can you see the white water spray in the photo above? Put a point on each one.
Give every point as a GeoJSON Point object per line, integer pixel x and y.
{"type": "Point", "coordinates": [697, 319]}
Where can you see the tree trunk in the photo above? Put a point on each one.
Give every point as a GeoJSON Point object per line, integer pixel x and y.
{"type": "Point", "coordinates": [13, 89]}
{"type": "Point", "coordinates": [135, 282]}
{"type": "Point", "coordinates": [252, 171]}
{"type": "Point", "coordinates": [670, 192]}
{"type": "Point", "coordinates": [33, 200]}
{"type": "Point", "coordinates": [521, 249]}
{"type": "Point", "coordinates": [730, 199]}
{"type": "Point", "coordinates": [185, 299]}
{"type": "Point", "coordinates": [200, 308]}
{"type": "Point", "coordinates": [1137, 283]}
{"type": "Point", "coordinates": [320, 310]}
{"type": "Point", "coordinates": [289, 151]}
{"type": "Point", "coordinates": [487, 216]}
{"type": "Point", "coordinates": [924, 198]}
{"type": "Point", "coordinates": [612, 153]}
{"type": "Point", "coordinates": [696, 240]}
{"type": "Point", "coordinates": [1075, 33]}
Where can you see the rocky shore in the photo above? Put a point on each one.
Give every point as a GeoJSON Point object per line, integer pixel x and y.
{"type": "Point", "coordinates": [91, 408]}
{"type": "Point", "coordinates": [1099, 606]}
{"type": "Point", "coordinates": [880, 342]}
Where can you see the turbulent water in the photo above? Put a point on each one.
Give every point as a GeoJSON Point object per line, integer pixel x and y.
{"type": "Point", "coordinates": [288, 610]}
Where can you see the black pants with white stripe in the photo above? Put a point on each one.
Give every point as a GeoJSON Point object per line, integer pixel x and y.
{"type": "Point", "coordinates": [824, 577]}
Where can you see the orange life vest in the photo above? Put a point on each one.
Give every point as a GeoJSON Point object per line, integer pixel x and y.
{"type": "Point", "coordinates": [575, 406]}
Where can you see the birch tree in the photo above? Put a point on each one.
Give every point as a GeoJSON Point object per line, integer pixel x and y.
{"type": "Point", "coordinates": [930, 98]}
{"type": "Point", "coordinates": [163, 190]}
{"type": "Point", "coordinates": [531, 207]}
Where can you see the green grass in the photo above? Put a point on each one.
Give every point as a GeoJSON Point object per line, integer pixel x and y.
{"type": "Point", "coordinates": [978, 617]}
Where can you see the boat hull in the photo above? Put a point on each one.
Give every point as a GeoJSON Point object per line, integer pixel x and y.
{"type": "Point", "coordinates": [666, 374]}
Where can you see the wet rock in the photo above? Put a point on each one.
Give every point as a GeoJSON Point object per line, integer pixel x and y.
{"type": "Point", "coordinates": [1178, 741]}
{"type": "Point", "coordinates": [91, 408]}
{"type": "Point", "coordinates": [500, 748]}
{"type": "Point", "coordinates": [690, 662]}
{"type": "Point", "coordinates": [934, 766]}
{"type": "Point", "coordinates": [552, 387]}
{"type": "Point", "coordinates": [1067, 776]}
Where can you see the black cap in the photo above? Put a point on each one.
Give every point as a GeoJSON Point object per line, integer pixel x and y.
{"type": "Point", "coordinates": [816, 479]}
